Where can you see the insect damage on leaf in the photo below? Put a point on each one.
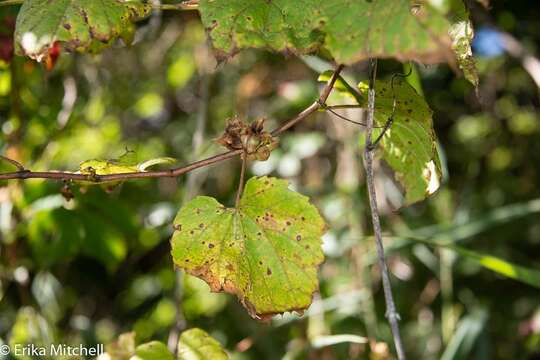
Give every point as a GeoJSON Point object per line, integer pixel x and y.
{"type": "Point", "coordinates": [80, 25]}
{"type": "Point", "coordinates": [266, 251]}
{"type": "Point", "coordinates": [351, 30]}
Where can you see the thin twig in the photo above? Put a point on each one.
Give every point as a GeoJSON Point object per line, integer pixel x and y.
{"type": "Point", "coordinates": [175, 172]}
{"type": "Point", "coordinates": [15, 163]}
{"type": "Point", "coordinates": [390, 120]}
{"type": "Point", "coordinates": [313, 107]}
{"type": "Point", "coordinates": [391, 312]}
{"type": "Point", "coordinates": [241, 181]}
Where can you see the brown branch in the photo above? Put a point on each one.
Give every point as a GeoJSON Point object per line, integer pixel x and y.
{"type": "Point", "coordinates": [391, 312]}
{"type": "Point", "coordinates": [24, 174]}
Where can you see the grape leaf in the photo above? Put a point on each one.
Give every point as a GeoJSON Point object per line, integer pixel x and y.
{"type": "Point", "coordinates": [266, 252]}
{"type": "Point", "coordinates": [81, 25]}
{"type": "Point", "coordinates": [196, 344]}
{"type": "Point", "coordinates": [409, 145]}
{"type": "Point", "coordinates": [351, 30]}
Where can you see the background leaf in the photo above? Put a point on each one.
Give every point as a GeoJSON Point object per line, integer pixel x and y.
{"type": "Point", "coordinates": [196, 344]}
{"type": "Point", "coordinates": [81, 25]}
{"type": "Point", "coordinates": [266, 251]}
{"type": "Point", "coordinates": [153, 350]}
{"type": "Point", "coordinates": [510, 270]}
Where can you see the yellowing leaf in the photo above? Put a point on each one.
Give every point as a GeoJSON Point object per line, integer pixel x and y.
{"type": "Point", "coordinates": [266, 252]}
{"type": "Point", "coordinates": [196, 344]}
{"type": "Point", "coordinates": [81, 25]}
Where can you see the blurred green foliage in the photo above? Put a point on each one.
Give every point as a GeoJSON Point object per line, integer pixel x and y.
{"type": "Point", "coordinates": [89, 269]}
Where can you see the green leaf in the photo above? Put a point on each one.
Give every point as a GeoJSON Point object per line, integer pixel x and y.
{"type": "Point", "coordinates": [266, 252]}
{"type": "Point", "coordinates": [196, 344]}
{"type": "Point", "coordinates": [341, 85]}
{"type": "Point", "coordinates": [153, 350]}
{"type": "Point", "coordinates": [501, 266]}
{"type": "Point", "coordinates": [409, 145]}
{"type": "Point", "coordinates": [468, 331]}
{"type": "Point", "coordinates": [153, 162]}
{"type": "Point", "coordinates": [81, 25]}
{"type": "Point", "coordinates": [351, 30]}
{"type": "Point", "coordinates": [513, 271]}
{"type": "Point", "coordinates": [329, 340]}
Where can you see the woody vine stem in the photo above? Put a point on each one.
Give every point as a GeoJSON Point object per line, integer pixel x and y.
{"type": "Point", "coordinates": [391, 312]}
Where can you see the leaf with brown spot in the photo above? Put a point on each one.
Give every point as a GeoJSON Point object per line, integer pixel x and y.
{"type": "Point", "coordinates": [80, 25]}
{"type": "Point", "coordinates": [266, 267]}
{"type": "Point", "coordinates": [351, 30]}
{"type": "Point", "coordinates": [409, 146]}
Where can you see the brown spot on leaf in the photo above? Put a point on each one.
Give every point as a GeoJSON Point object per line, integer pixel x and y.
{"type": "Point", "coordinates": [210, 245]}
{"type": "Point", "coordinates": [268, 271]}
{"type": "Point", "coordinates": [298, 237]}
{"type": "Point", "coordinates": [201, 225]}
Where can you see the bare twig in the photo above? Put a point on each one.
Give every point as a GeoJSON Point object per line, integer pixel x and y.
{"type": "Point", "coordinates": [175, 172]}
{"type": "Point", "coordinates": [390, 120]}
{"type": "Point", "coordinates": [313, 107]}
{"type": "Point", "coordinates": [15, 163]}
{"type": "Point", "coordinates": [241, 181]}
{"type": "Point", "coordinates": [391, 312]}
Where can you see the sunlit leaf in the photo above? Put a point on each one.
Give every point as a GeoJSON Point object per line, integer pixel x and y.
{"type": "Point", "coordinates": [196, 344]}
{"type": "Point", "coordinates": [461, 32]}
{"type": "Point", "coordinates": [121, 349]}
{"type": "Point", "coordinates": [266, 252]}
{"type": "Point", "coordinates": [30, 327]}
{"type": "Point", "coordinates": [117, 166]}
{"type": "Point", "coordinates": [510, 270]}
{"type": "Point", "coordinates": [351, 30]}
{"type": "Point", "coordinates": [157, 161]}
{"type": "Point", "coordinates": [329, 340]}
{"type": "Point", "coordinates": [153, 350]}
{"type": "Point", "coordinates": [80, 25]}
{"type": "Point", "coordinates": [105, 167]}
{"type": "Point", "coordinates": [409, 145]}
